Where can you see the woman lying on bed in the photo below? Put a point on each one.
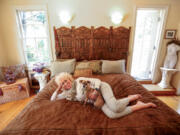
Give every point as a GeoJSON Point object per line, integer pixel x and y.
{"type": "Point", "coordinates": [100, 94]}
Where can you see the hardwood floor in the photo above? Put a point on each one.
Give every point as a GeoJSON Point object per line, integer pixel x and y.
{"type": "Point", "coordinates": [171, 101]}
{"type": "Point", "coordinates": [9, 110]}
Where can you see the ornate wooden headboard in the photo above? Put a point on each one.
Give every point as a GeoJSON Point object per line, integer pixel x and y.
{"type": "Point", "coordinates": [92, 43]}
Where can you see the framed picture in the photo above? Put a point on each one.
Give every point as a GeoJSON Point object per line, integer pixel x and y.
{"type": "Point", "coordinates": [170, 34]}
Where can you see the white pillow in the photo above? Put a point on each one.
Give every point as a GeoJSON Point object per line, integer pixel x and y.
{"type": "Point", "coordinates": [63, 66]}
{"type": "Point", "coordinates": [117, 66]}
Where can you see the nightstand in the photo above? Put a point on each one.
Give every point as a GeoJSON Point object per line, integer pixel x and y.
{"type": "Point", "coordinates": [42, 78]}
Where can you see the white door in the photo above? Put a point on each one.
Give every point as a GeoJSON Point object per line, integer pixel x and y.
{"type": "Point", "coordinates": [147, 34]}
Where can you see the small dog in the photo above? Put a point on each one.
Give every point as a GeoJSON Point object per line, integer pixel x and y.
{"type": "Point", "coordinates": [93, 96]}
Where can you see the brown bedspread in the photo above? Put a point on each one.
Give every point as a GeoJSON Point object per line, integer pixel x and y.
{"type": "Point", "coordinates": [44, 117]}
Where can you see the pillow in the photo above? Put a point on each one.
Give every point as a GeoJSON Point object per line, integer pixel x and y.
{"type": "Point", "coordinates": [82, 65]}
{"type": "Point", "coordinates": [19, 70]}
{"type": "Point", "coordinates": [95, 65]}
{"type": "Point", "coordinates": [113, 66]}
{"type": "Point", "coordinates": [63, 66]}
{"type": "Point", "coordinates": [83, 73]}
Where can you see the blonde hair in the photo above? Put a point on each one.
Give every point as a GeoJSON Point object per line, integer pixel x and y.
{"type": "Point", "coordinates": [63, 76]}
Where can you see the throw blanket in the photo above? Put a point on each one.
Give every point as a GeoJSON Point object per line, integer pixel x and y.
{"type": "Point", "coordinates": [44, 117]}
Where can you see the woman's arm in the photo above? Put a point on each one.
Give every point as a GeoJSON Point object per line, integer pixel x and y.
{"type": "Point", "coordinates": [61, 96]}
{"type": "Point", "coordinates": [55, 94]}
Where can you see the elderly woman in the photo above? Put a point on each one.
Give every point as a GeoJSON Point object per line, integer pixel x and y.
{"type": "Point", "coordinates": [71, 89]}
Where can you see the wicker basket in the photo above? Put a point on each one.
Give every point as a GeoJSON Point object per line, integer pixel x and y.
{"type": "Point", "coordinates": [15, 91]}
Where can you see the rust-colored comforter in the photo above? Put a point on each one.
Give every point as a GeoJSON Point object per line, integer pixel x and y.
{"type": "Point", "coordinates": [44, 117]}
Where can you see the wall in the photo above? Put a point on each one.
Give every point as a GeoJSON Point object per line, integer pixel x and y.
{"type": "Point", "coordinates": [176, 77]}
{"type": "Point", "coordinates": [9, 33]}
{"type": "Point", "coordinates": [1, 53]}
{"type": "Point", "coordinates": [87, 13]}
{"type": "Point", "coordinates": [3, 58]}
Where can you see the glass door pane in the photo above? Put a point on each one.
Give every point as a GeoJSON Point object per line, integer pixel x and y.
{"type": "Point", "coordinates": [147, 23]}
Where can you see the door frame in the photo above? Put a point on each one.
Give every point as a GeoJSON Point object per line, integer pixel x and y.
{"type": "Point", "coordinates": [158, 51]}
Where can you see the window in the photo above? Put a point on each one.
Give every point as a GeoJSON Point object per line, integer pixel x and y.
{"type": "Point", "coordinates": [33, 27]}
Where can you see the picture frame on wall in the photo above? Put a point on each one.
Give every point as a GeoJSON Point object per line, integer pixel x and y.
{"type": "Point", "coordinates": [170, 34]}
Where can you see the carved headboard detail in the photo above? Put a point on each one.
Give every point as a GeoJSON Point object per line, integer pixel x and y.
{"type": "Point", "coordinates": [92, 43]}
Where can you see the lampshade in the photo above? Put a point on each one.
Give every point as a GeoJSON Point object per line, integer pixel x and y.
{"type": "Point", "coordinates": [116, 17]}
{"type": "Point", "coordinates": [65, 17]}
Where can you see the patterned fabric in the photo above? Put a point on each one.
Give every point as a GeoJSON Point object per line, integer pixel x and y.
{"type": "Point", "coordinates": [82, 65]}
{"type": "Point", "coordinates": [19, 70]}
{"type": "Point", "coordinates": [95, 65]}
{"type": "Point", "coordinates": [83, 72]}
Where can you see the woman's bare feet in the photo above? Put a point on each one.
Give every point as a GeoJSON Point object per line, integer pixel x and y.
{"type": "Point", "coordinates": [141, 105]}
{"type": "Point", "coordinates": [134, 97]}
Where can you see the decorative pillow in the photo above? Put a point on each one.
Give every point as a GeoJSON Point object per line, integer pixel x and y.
{"type": "Point", "coordinates": [95, 65]}
{"type": "Point", "coordinates": [113, 66]}
{"type": "Point", "coordinates": [63, 66]}
{"type": "Point", "coordinates": [19, 70]}
{"type": "Point", "coordinates": [83, 73]}
{"type": "Point", "coordinates": [82, 65]}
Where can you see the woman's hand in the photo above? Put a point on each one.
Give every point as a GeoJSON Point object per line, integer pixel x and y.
{"type": "Point", "coordinates": [59, 88]}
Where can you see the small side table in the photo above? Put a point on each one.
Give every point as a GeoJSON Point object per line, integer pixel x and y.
{"type": "Point", "coordinates": [166, 77]}
{"type": "Point", "coordinates": [42, 79]}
